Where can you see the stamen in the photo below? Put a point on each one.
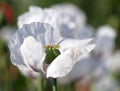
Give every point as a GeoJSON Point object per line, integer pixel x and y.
{"type": "Point", "coordinates": [52, 51]}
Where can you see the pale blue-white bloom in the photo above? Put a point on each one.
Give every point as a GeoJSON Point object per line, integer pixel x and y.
{"type": "Point", "coordinates": [105, 38]}
{"type": "Point", "coordinates": [113, 62]}
{"type": "Point", "coordinates": [71, 20]}
{"type": "Point", "coordinates": [105, 84]}
{"type": "Point", "coordinates": [86, 32]}
{"type": "Point", "coordinates": [108, 82]}
{"type": "Point", "coordinates": [6, 33]}
{"type": "Point", "coordinates": [27, 50]}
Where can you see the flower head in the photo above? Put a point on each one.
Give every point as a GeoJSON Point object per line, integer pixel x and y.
{"type": "Point", "coordinates": [28, 49]}
{"type": "Point", "coordinates": [70, 19]}
{"type": "Point", "coordinates": [105, 37]}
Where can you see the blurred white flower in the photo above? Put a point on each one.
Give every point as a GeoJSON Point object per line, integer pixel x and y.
{"type": "Point", "coordinates": [6, 33]}
{"type": "Point", "coordinates": [28, 50]}
{"type": "Point", "coordinates": [105, 84]}
{"type": "Point", "coordinates": [86, 32]}
{"type": "Point", "coordinates": [71, 20]}
{"type": "Point", "coordinates": [113, 62]}
{"type": "Point", "coordinates": [105, 38]}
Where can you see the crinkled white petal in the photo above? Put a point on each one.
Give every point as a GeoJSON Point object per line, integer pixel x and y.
{"type": "Point", "coordinates": [41, 31]}
{"type": "Point", "coordinates": [83, 46]}
{"type": "Point", "coordinates": [61, 65]}
{"type": "Point", "coordinates": [32, 53]}
{"type": "Point", "coordinates": [15, 55]}
{"type": "Point", "coordinates": [35, 9]}
{"type": "Point", "coordinates": [51, 17]}
{"type": "Point", "coordinates": [29, 17]}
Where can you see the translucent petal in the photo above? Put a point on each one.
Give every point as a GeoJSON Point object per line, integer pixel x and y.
{"type": "Point", "coordinates": [83, 46]}
{"type": "Point", "coordinates": [40, 31]}
{"type": "Point", "coordinates": [32, 53]}
{"type": "Point", "coordinates": [29, 17]}
{"type": "Point", "coordinates": [61, 65]}
{"type": "Point", "coordinates": [51, 17]}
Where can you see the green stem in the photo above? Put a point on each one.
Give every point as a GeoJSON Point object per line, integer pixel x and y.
{"type": "Point", "coordinates": [72, 84]}
{"type": "Point", "coordinates": [54, 84]}
{"type": "Point", "coordinates": [41, 83]}
{"type": "Point", "coordinates": [6, 82]}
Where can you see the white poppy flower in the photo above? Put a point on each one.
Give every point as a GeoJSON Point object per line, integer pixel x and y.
{"type": "Point", "coordinates": [71, 19]}
{"type": "Point", "coordinates": [36, 15]}
{"type": "Point", "coordinates": [28, 48]}
{"type": "Point", "coordinates": [105, 38]}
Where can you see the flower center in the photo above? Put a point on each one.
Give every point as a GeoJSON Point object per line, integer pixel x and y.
{"type": "Point", "coordinates": [52, 51]}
